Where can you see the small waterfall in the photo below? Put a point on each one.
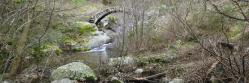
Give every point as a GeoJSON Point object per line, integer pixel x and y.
{"type": "Point", "coordinates": [98, 40]}
{"type": "Point", "coordinates": [100, 48]}
{"type": "Point", "coordinates": [101, 53]}
{"type": "Point", "coordinates": [100, 43]}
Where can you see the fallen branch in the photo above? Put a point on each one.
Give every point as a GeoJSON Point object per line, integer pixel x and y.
{"type": "Point", "coordinates": [146, 79]}
{"type": "Point", "coordinates": [156, 75]}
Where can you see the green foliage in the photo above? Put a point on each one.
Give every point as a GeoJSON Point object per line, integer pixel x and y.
{"type": "Point", "coordinates": [44, 50]}
{"type": "Point", "coordinates": [69, 41]}
{"type": "Point", "coordinates": [158, 59]}
{"type": "Point", "coordinates": [77, 46]}
{"type": "Point", "coordinates": [84, 28]}
{"type": "Point", "coordinates": [112, 19]}
{"type": "Point", "coordinates": [235, 32]}
{"type": "Point", "coordinates": [50, 48]}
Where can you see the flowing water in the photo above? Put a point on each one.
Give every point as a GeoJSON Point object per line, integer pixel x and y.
{"type": "Point", "coordinates": [102, 46]}
{"type": "Point", "coordinates": [99, 54]}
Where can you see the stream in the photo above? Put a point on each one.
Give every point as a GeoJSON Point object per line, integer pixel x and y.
{"type": "Point", "coordinates": [101, 48]}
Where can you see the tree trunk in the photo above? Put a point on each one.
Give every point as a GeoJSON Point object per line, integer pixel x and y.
{"type": "Point", "coordinates": [16, 62]}
{"type": "Point", "coordinates": [20, 45]}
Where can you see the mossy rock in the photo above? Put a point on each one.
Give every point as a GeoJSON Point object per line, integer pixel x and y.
{"type": "Point", "coordinates": [84, 27]}
{"type": "Point", "coordinates": [49, 48]}
{"type": "Point", "coordinates": [158, 59]}
{"type": "Point", "coordinates": [74, 71]}
{"type": "Point", "coordinates": [121, 61]}
{"type": "Point", "coordinates": [77, 45]}
{"type": "Point", "coordinates": [69, 41]}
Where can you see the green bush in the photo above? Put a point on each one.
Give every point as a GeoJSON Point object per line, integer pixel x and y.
{"type": "Point", "coordinates": [39, 52]}
{"type": "Point", "coordinates": [50, 48]}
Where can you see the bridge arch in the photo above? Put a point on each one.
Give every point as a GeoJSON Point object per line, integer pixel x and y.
{"type": "Point", "coordinates": [99, 16]}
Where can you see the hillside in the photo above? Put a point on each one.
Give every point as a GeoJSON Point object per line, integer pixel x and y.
{"type": "Point", "coordinates": [124, 41]}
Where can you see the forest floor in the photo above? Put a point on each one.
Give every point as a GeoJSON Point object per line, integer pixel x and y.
{"type": "Point", "coordinates": [186, 60]}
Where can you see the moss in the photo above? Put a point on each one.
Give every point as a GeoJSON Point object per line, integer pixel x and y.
{"type": "Point", "coordinates": [74, 71]}
{"type": "Point", "coordinates": [84, 28]}
{"type": "Point", "coordinates": [158, 59]}
{"type": "Point", "coordinates": [78, 45]}
{"type": "Point", "coordinates": [69, 41]}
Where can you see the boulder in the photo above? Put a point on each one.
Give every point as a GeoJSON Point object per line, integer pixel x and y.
{"type": "Point", "coordinates": [139, 71]}
{"type": "Point", "coordinates": [74, 71]}
{"type": "Point", "coordinates": [84, 28]}
{"type": "Point", "coordinates": [98, 40]}
{"type": "Point", "coordinates": [121, 61]}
